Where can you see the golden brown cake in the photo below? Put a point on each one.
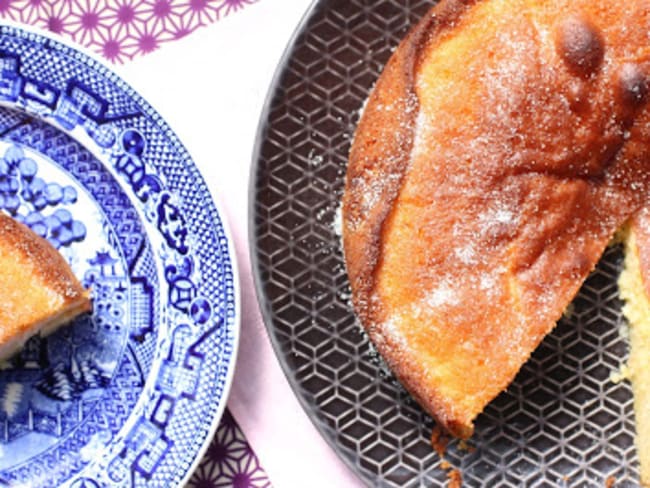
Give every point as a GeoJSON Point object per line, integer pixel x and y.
{"type": "Point", "coordinates": [38, 291]}
{"type": "Point", "coordinates": [502, 147]}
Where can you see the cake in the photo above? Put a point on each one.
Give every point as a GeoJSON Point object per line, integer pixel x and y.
{"type": "Point", "coordinates": [634, 285]}
{"type": "Point", "coordinates": [38, 291]}
{"type": "Point", "coordinates": [502, 147]}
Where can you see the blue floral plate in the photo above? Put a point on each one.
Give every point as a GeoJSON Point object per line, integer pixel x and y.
{"type": "Point", "coordinates": [130, 394]}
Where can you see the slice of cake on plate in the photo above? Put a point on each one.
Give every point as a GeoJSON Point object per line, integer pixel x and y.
{"type": "Point", "coordinates": [38, 291]}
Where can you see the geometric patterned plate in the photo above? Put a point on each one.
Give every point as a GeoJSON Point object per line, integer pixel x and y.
{"type": "Point", "coordinates": [130, 394]}
{"type": "Point", "coordinates": [562, 422]}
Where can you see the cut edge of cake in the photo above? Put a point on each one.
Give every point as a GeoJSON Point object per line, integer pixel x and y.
{"type": "Point", "coordinates": [637, 312]}
{"type": "Point", "coordinates": [46, 326]}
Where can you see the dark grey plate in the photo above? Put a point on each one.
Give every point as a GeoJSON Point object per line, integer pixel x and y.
{"type": "Point", "coordinates": [561, 423]}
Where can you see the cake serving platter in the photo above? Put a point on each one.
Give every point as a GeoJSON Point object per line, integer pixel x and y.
{"type": "Point", "coordinates": [566, 420]}
{"type": "Point", "coordinates": [131, 394]}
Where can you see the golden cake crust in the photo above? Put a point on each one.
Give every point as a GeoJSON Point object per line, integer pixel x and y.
{"type": "Point", "coordinates": [379, 158]}
{"type": "Point", "coordinates": [503, 145]}
{"type": "Point", "coordinates": [37, 287]}
{"type": "Point", "coordinates": [50, 266]}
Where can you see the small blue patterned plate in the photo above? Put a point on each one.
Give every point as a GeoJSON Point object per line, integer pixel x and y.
{"type": "Point", "coordinates": [131, 394]}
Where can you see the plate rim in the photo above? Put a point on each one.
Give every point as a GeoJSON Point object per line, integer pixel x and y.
{"type": "Point", "coordinates": [327, 433]}
{"type": "Point", "coordinates": [114, 75]}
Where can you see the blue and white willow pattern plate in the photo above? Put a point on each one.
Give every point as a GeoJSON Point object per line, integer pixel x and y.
{"type": "Point", "coordinates": [130, 394]}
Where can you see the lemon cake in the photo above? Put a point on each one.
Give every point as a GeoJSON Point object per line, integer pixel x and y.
{"type": "Point", "coordinates": [634, 286]}
{"type": "Point", "coordinates": [38, 291]}
{"type": "Point", "coordinates": [502, 147]}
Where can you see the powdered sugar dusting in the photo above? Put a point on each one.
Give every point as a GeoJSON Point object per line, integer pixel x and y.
{"type": "Point", "coordinates": [392, 327]}
{"type": "Point", "coordinates": [487, 282]}
{"type": "Point", "coordinates": [422, 124]}
{"type": "Point", "coordinates": [466, 254]}
{"type": "Point", "coordinates": [498, 220]}
{"type": "Point", "coordinates": [443, 294]}
{"type": "Point", "coordinates": [315, 159]}
{"type": "Point", "coordinates": [337, 223]}
{"type": "Point", "coordinates": [498, 215]}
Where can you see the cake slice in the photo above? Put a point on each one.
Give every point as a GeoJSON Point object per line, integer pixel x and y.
{"type": "Point", "coordinates": [38, 291]}
{"type": "Point", "coordinates": [502, 147]}
{"type": "Point", "coordinates": [634, 286]}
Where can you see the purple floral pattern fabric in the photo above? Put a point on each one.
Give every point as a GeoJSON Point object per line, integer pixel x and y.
{"type": "Point", "coordinates": [120, 30]}
{"type": "Point", "coordinates": [229, 461]}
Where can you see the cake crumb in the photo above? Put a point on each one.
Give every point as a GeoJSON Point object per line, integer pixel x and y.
{"type": "Point", "coordinates": [610, 482]}
{"type": "Point", "coordinates": [617, 376]}
{"type": "Point", "coordinates": [624, 332]}
{"type": "Point", "coordinates": [439, 441]}
{"type": "Point", "coordinates": [568, 312]}
{"type": "Point", "coordinates": [456, 479]}
{"type": "Point", "coordinates": [465, 446]}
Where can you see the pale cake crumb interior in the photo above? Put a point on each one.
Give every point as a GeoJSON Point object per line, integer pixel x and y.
{"type": "Point", "coordinates": [637, 370]}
